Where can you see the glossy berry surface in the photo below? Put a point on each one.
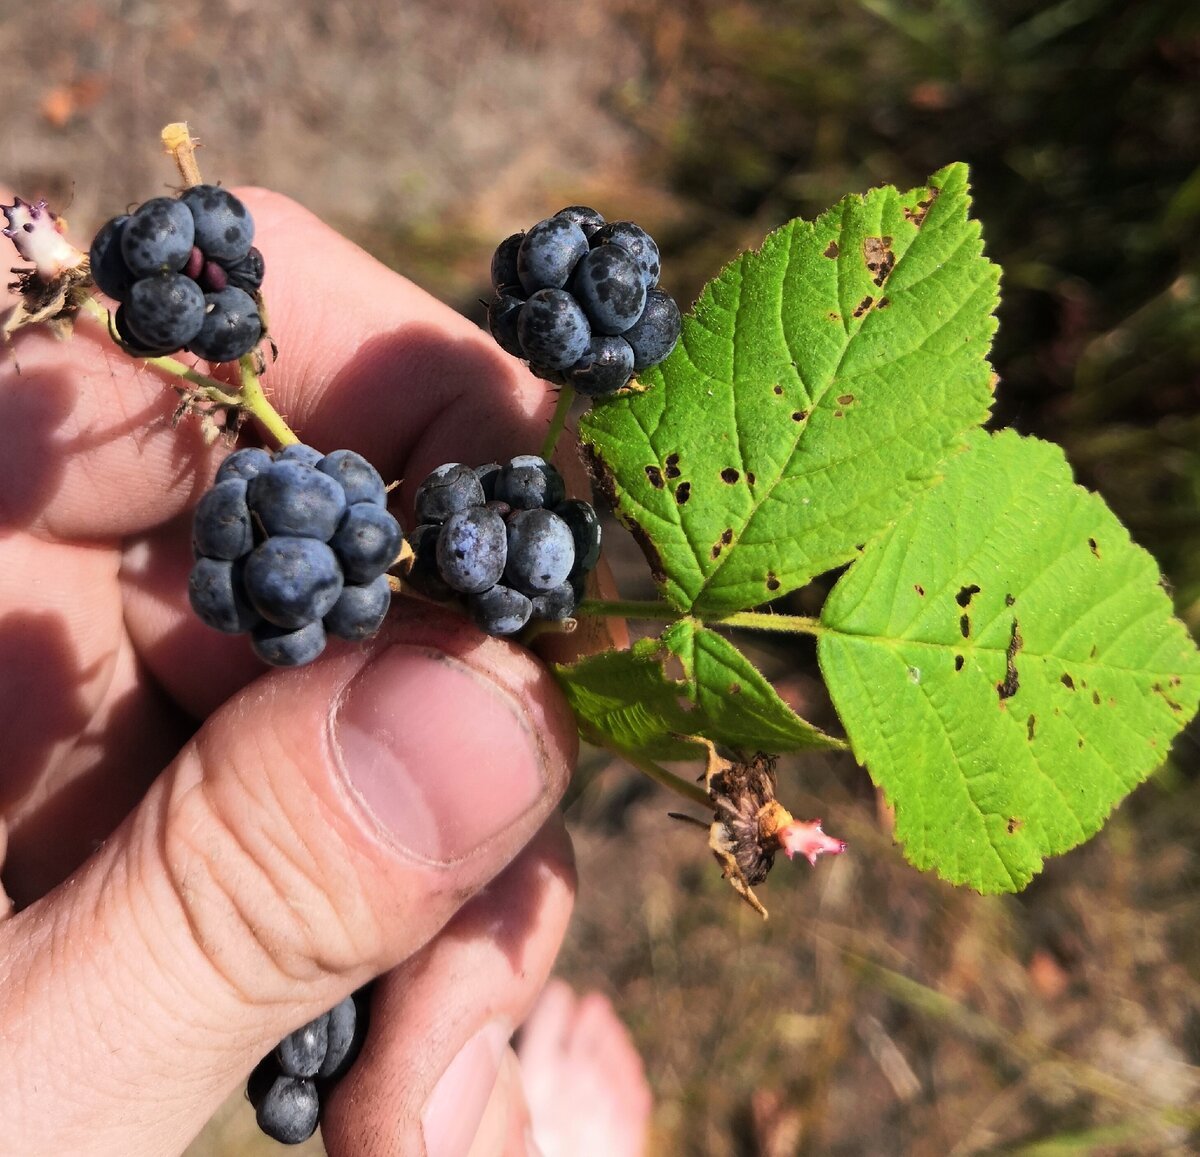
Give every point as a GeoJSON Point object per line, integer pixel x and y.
{"type": "Point", "coordinates": [157, 259]}
{"type": "Point", "coordinates": [576, 297]}
{"type": "Point", "coordinates": [283, 555]}
{"type": "Point", "coordinates": [520, 552]}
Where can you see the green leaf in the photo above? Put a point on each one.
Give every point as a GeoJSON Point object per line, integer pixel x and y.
{"type": "Point", "coordinates": [816, 387]}
{"type": "Point", "coordinates": [1006, 664]}
{"type": "Point", "coordinates": [689, 681]}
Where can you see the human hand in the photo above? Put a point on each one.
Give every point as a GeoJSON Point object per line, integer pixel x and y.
{"type": "Point", "coordinates": [239, 850]}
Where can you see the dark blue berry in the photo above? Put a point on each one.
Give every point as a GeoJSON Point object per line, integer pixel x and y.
{"type": "Point", "coordinates": [293, 498]}
{"type": "Point", "coordinates": [356, 476]}
{"type": "Point", "coordinates": [360, 610]}
{"type": "Point", "coordinates": [165, 311]}
{"type": "Point", "coordinates": [131, 343]}
{"type": "Point", "coordinates": [244, 463]}
{"type": "Point", "coordinates": [604, 369]}
{"type": "Point", "coordinates": [280, 647]}
{"type": "Point", "coordinates": [158, 237]}
{"type": "Point", "coordinates": [366, 542]}
{"type": "Point", "coordinates": [608, 284]}
{"type": "Point", "coordinates": [424, 576]}
{"type": "Point", "coordinates": [653, 336]}
{"type": "Point", "coordinates": [221, 526]}
{"type": "Point", "coordinates": [487, 475]}
{"type": "Point", "coordinates": [247, 273]}
{"type": "Point", "coordinates": [541, 551]}
{"type": "Point", "coordinates": [301, 1053]}
{"type": "Point", "coordinates": [555, 605]}
{"type": "Point", "coordinates": [292, 581]}
{"type": "Point", "coordinates": [450, 489]}
{"type": "Point", "coordinates": [232, 326]}
{"type": "Point", "coordinates": [500, 610]}
{"type": "Point", "coordinates": [344, 1039]}
{"type": "Point", "coordinates": [548, 253]}
{"type": "Point", "coordinates": [584, 525]}
{"type": "Point", "coordinates": [586, 218]}
{"type": "Point", "coordinates": [299, 452]}
{"type": "Point", "coordinates": [218, 596]}
{"type": "Point", "coordinates": [471, 550]}
{"type": "Point", "coordinates": [289, 1111]}
{"type": "Point", "coordinates": [637, 243]}
{"type": "Point", "coordinates": [527, 482]}
{"type": "Point", "coordinates": [503, 315]}
{"type": "Point", "coordinates": [553, 329]}
{"type": "Point", "coordinates": [224, 228]}
{"type": "Point", "coordinates": [109, 271]}
{"type": "Point", "coordinates": [504, 265]}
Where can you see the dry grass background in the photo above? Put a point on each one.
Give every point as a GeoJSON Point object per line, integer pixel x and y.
{"type": "Point", "coordinates": [878, 1011]}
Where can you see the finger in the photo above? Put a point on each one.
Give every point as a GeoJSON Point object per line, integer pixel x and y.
{"type": "Point", "coordinates": [366, 357]}
{"type": "Point", "coordinates": [441, 1023]}
{"type": "Point", "coordinates": [318, 830]}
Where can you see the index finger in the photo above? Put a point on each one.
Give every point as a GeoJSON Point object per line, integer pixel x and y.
{"type": "Point", "coordinates": [367, 360]}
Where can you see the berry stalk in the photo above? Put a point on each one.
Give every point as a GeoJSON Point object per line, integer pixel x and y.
{"type": "Point", "coordinates": [565, 397]}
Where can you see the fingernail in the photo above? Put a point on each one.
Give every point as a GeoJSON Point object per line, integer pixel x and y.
{"type": "Point", "coordinates": [441, 755]}
{"type": "Point", "coordinates": [456, 1106]}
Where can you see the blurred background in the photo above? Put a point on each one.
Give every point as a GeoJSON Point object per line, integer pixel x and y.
{"type": "Point", "coordinates": [878, 1011]}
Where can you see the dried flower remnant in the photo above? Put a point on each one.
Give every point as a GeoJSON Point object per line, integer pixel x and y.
{"type": "Point", "coordinates": [53, 289]}
{"type": "Point", "coordinates": [751, 825]}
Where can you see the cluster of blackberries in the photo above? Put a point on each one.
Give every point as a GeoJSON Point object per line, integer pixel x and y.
{"type": "Point", "coordinates": [292, 547]}
{"type": "Point", "coordinates": [286, 1085]}
{"type": "Point", "coordinates": [185, 273]}
{"type": "Point", "coordinates": [578, 298]}
{"type": "Point", "coordinates": [507, 538]}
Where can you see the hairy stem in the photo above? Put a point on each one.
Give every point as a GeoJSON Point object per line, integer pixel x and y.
{"type": "Point", "coordinates": [692, 792]}
{"type": "Point", "coordinates": [254, 402]}
{"type": "Point", "coordinates": [179, 142]}
{"type": "Point", "coordinates": [665, 613]}
{"type": "Point", "coordinates": [565, 397]}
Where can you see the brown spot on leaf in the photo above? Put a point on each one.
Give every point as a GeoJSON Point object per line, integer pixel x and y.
{"type": "Point", "coordinates": [727, 535]}
{"type": "Point", "coordinates": [958, 662]}
{"type": "Point", "coordinates": [777, 389]}
{"type": "Point", "coordinates": [1014, 825]}
{"type": "Point", "coordinates": [964, 596]}
{"type": "Point", "coordinates": [653, 558]}
{"type": "Point", "coordinates": [750, 477]}
{"type": "Point", "coordinates": [799, 415]}
{"type": "Point", "coordinates": [919, 589]}
{"type": "Point", "coordinates": [964, 625]}
{"type": "Point", "coordinates": [863, 305]}
{"type": "Point", "coordinates": [1031, 727]}
{"type": "Point", "coordinates": [671, 466]}
{"type": "Point", "coordinates": [832, 250]}
{"type": "Point", "coordinates": [729, 475]}
{"type": "Point", "coordinates": [838, 414]}
{"type": "Point", "coordinates": [682, 493]}
{"type": "Point", "coordinates": [655, 476]}
{"type": "Point", "coordinates": [883, 303]}
{"type": "Point", "coordinates": [1093, 547]}
{"type": "Point", "coordinates": [772, 582]}
{"type": "Point", "coordinates": [917, 215]}
{"type": "Point", "coordinates": [1068, 682]}
{"type": "Point", "coordinates": [735, 688]}
{"type": "Point", "coordinates": [1012, 683]}
{"type": "Point", "coordinates": [1009, 600]}
{"type": "Point", "coordinates": [877, 253]}
{"type": "Point", "coordinates": [1158, 689]}
{"type": "Point", "coordinates": [1094, 651]}
{"type": "Point", "coordinates": [846, 400]}
{"type": "Point", "coordinates": [834, 316]}
{"type": "Point", "coordinates": [716, 550]}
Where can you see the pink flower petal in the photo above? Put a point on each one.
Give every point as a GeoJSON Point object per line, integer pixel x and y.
{"type": "Point", "coordinates": [807, 839]}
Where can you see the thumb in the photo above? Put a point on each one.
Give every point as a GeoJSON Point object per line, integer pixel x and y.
{"type": "Point", "coordinates": [317, 830]}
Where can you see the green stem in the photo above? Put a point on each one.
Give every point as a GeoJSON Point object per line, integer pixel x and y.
{"type": "Point", "coordinates": [255, 403]}
{"type": "Point", "coordinates": [665, 613]}
{"type": "Point", "coordinates": [692, 792]}
{"type": "Point", "coordinates": [249, 398]}
{"type": "Point", "coordinates": [566, 396]}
